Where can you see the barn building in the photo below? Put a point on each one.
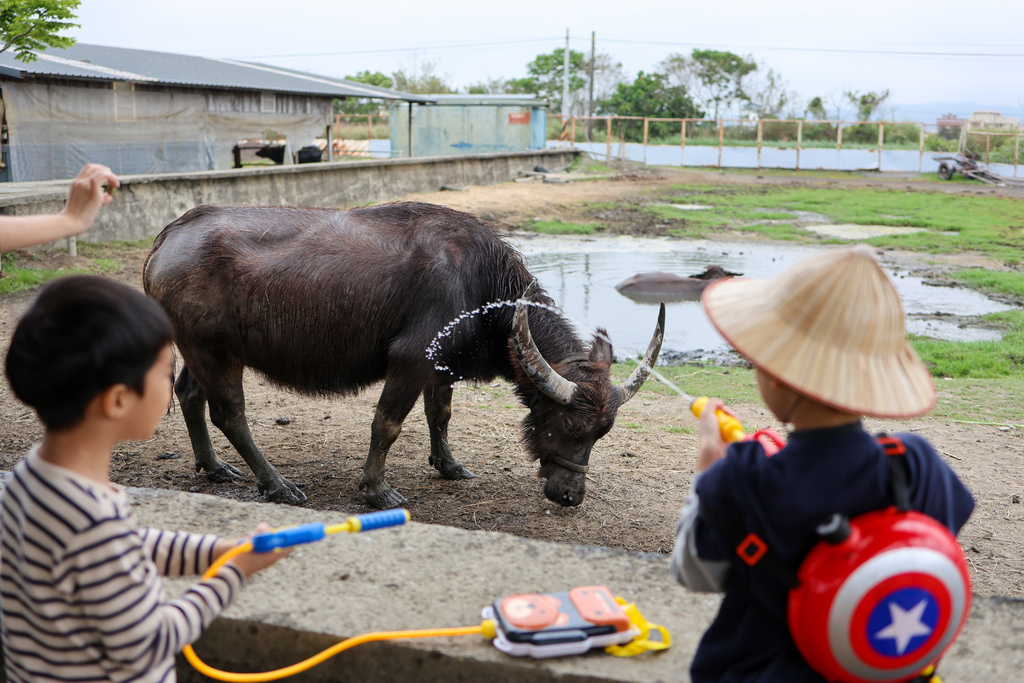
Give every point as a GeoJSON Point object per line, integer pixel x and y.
{"type": "Point", "coordinates": [143, 112]}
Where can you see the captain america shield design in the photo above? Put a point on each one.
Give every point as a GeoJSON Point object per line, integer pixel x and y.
{"type": "Point", "coordinates": [896, 613]}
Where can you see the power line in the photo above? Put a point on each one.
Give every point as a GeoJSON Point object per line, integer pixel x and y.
{"type": "Point", "coordinates": [405, 48]}
{"type": "Point", "coordinates": [861, 51]}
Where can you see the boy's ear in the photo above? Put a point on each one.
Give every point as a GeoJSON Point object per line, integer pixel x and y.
{"type": "Point", "coordinates": [115, 401]}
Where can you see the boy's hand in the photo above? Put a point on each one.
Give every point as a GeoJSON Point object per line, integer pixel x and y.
{"type": "Point", "coordinates": [251, 562]}
{"type": "Point", "coordinates": [711, 445]}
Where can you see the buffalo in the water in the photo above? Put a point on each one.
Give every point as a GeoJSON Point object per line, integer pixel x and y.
{"type": "Point", "coordinates": [329, 302]}
{"type": "Point", "coordinates": [657, 286]}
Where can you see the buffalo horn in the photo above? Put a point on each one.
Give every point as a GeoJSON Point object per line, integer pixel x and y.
{"type": "Point", "coordinates": [536, 368]}
{"type": "Point", "coordinates": [632, 384]}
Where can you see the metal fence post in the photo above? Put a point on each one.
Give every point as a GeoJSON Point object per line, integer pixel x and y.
{"type": "Point", "coordinates": [721, 138]}
{"type": "Point", "coordinates": [920, 156]}
{"type": "Point", "coordinates": [881, 137]}
{"type": "Point", "coordinates": [839, 145]}
{"type": "Point", "coordinates": [647, 122]}
{"type": "Point", "coordinates": [760, 138]}
{"type": "Point", "coordinates": [1016, 152]}
{"type": "Point", "coordinates": [799, 140]}
{"type": "Point", "coordinates": [682, 143]}
{"type": "Point", "coordinates": [608, 141]}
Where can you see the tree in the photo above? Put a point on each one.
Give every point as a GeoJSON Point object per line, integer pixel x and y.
{"type": "Point", "coordinates": [767, 96]}
{"type": "Point", "coordinates": [492, 86]}
{"type": "Point", "coordinates": [715, 77]}
{"type": "Point", "coordinates": [545, 77]}
{"type": "Point", "coordinates": [361, 105]}
{"type": "Point", "coordinates": [423, 80]}
{"type": "Point", "coordinates": [816, 109]}
{"type": "Point", "coordinates": [650, 95]}
{"type": "Point", "coordinates": [28, 25]}
{"type": "Point", "coordinates": [866, 104]}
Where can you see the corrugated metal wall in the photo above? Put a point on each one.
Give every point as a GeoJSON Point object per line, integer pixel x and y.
{"type": "Point", "coordinates": [454, 127]}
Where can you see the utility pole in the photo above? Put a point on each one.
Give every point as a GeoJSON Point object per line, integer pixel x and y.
{"type": "Point", "coordinates": [565, 86]}
{"type": "Point", "coordinates": [590, 96]}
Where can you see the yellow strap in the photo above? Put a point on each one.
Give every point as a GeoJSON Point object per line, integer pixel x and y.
{"type": "Point", "coordinates": [642, 642]}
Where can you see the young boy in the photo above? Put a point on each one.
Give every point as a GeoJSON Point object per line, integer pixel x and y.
{"type": "Point", "coordinates": [81, 596]}
{"type": "Point", "coordinates": [828, 342]}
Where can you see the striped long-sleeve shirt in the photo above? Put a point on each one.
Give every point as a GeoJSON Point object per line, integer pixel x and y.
{"type": "Point", "coordinates": [81, 598]}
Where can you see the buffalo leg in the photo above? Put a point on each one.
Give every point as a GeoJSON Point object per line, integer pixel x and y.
{"type": "Point", "coordinates": [224, 394]}
{"type": "Point", "coordinates": [396, 400]}
{"type": "Point", "coordinates": [437, 404]}
{"type": "Point", "coordinates": [192, 400]}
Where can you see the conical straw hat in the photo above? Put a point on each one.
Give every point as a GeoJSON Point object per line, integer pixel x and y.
{"type": "Point", "coordinates": [831, 327]}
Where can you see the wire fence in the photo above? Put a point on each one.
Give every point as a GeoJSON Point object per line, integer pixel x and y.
{"type": "Point", "coordinates": [798, 144]}
{"type": "Point", "coordinates": [787, 141]}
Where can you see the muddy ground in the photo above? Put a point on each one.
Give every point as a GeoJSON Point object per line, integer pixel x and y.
{"type": "Point", "coordinates": [640, 472]}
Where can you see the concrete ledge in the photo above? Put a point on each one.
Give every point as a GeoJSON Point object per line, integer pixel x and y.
{"type": "Point", "coordinates": [428, 576]}
{"type": "Point", "coordinates": [146, 203]}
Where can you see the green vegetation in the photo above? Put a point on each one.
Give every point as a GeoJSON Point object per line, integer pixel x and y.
{"type": "Point", "coordinates": [981, 360]}
{"type": "Point", "coordinates": [673, 429]}
{"type": "Point", "coordinates": [19, 275]}
{"type": "Point", "coordinates": [563, 228]}
{"type": "Point", "coordinates": [955, 223]}
{"type": "Point", "coordinates": [730, 384]}
{"type": "Point", "coordinates": [960, 398]}
{"type": "Point", "coordinates": [994, 281]}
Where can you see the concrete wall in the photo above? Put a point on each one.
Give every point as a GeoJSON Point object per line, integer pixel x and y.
{"type": "Point", "coordinates": [146, 203]}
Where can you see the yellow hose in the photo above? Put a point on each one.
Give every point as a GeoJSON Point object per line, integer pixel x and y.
{"type": "Point", "coordinates": [486, 629]}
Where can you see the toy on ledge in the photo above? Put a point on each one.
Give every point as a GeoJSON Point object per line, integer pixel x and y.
{"type": "Point", "coordinates": [540, 626]}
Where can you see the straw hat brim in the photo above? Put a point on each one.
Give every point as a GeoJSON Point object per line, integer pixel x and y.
{"type": "Point", "coordinates": [840, 355]}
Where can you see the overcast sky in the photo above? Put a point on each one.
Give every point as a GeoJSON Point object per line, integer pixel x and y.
{"type": "Point", "coordinates": [939, 51]}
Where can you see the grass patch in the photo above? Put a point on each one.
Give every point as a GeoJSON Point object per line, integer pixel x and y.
{"type": "Point", "coordinates": [960, 398]}
{"type": "Point", "coordinates": [977, 360]}
{"type": "Point", "coordinates": [19, 275]}
{"type": "Point", "coordinates": [564, 228]}
{"type": "Point", "coordinates": [672, 429]}
{"type": "Point", "coordinates": [954, 223]}
{"type": "Point", "coordinates": [729, 384]}
{"type": "Point", "coordinates": [993, 281]}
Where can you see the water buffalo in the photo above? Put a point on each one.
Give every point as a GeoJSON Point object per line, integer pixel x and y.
{"type": "Point", "coordinates": [328, 302]}
{"type": "Point", "coordinates": [657, 286]}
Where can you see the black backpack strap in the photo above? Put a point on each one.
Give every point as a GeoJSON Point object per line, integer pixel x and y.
{"type": "Point", "coordinates": [750, 548]}
{"type": "Point", "coordinates": [899, 475]}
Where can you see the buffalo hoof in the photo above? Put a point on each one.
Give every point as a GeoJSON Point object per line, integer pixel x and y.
{"type": "Point", "coordinates": [451, 468]}
{"type": "Point", "coordinates": [283, 492]}
{"type": "Point", "coordinates": [221, 473]}
{"type": "Point", "coordinates": [384, 498]}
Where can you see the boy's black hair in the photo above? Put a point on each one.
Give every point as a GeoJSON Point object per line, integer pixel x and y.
{"type": "Point", "coordinates": [82, 335]}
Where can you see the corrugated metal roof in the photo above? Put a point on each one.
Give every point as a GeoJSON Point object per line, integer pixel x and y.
{"type": "Point", "coordinates": [97, 62]}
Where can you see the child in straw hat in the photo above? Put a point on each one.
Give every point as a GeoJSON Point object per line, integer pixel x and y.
{"type": "Point", "coordinates": [828, 342]}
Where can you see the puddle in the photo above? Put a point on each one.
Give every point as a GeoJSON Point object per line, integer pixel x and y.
{"type": "Point", "coordinates": [580, 273]}
{"type": "Point", "coordinates": [689, 207]}
{"type": "Point", "coordinates": [851, 231]}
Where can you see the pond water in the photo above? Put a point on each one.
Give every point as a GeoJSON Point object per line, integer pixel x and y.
{"type": "Point", "coordinates": [580, 273]}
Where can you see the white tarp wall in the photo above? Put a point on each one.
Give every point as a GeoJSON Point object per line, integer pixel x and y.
{"type": "Point", "coordinates": [137, 129]}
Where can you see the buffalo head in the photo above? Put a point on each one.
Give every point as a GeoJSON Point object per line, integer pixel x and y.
{"type": "Point", "coordinates": [572, 402]}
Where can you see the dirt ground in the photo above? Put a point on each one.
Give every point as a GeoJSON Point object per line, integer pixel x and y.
{"type": "Point", "coordinates": [640, 472]}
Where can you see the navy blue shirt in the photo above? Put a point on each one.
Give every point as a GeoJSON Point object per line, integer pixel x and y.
{"type": "Point", "coordinates": [782, 499]}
